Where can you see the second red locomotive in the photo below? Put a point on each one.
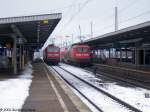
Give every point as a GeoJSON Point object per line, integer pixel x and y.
{"type": "Point", "coordinates": [77, 54]}
{"type": "Point", "coordinates": [51, 54]}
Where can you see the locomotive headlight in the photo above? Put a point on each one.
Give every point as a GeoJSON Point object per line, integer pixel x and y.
{"type": "Point", "coordinates": [86, 54]}
{"type": "Point", "coordinates": [78, 54]}
{"type": "Point", "coordinates": [56, 54]}
{"type": "Point", "coordinates": [49, 54]}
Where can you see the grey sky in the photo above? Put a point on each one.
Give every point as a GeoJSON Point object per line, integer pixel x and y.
{"type": "Point", "coordinates": [82, 12]}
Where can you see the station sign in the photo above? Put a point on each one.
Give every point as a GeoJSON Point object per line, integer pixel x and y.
{"type": "Point", "coordinates": [45, 21]}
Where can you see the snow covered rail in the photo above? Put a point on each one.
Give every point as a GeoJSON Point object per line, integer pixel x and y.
{"type": "Point", "coordinates": [126, 105]}
{"type": "Point", "coordinates": [100, 110]}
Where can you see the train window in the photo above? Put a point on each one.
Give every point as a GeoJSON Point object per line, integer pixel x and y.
{"type": "Point", "coordinates": [79, 49]}
{"type": "Point", "coordinates": [53, 50]}
{"type": "Point", "coordinates": [85, 49]}
{"type": "Point", "coordinates": [82, 49]}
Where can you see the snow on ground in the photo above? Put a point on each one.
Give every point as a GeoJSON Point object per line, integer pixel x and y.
{"type": "Point", "coordinates": [133, 96]}
{"type": "Point", "coordinates": [93, 109]}
{"type": "Point", "coordinates": [102, 101]}
{"type": "Point", "coordinates": [13, 92]}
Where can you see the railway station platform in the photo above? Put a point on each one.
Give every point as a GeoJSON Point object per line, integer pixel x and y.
{"type": "Point", "coordinates": [141, 76]}
{"type": "Point", "coordinates": [49, 93]}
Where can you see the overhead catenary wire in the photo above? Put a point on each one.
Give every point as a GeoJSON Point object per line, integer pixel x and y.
{"type": "Point", "coordinates": [82, 6]}
{"type": "Point", "coordinates": [68, 8]}
{"type": "Point", "coordinates": [120, 12]}
{"type": "Point", "coordinates": [128, 6]}
{"type": "Point", "coordinates": [80, 9]}
{"type": "Point", "coordinates": [74, 15]}
{"type": "Point", "coordinates": [55, 10]}
{"type": "Point", "coordinates": [139, 15]}
{"type": "Point", "coordinates": [121, 22]}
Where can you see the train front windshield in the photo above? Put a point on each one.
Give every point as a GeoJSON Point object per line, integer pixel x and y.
{"type": "Point", "coordinates": [83, 49]}
{"type": "Point", "coordinates": [52, 49]}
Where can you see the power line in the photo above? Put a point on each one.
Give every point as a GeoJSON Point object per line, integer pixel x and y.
{"type": "Point", "coordinates": [70, 8]}
{"type": "Point", "coordinates": [59, 8]}
{"type": "Point", "coordinates": [80, 9]}
{"type": "Point", "coordinates": [87, 1]}
{"type": "Point", "coordinates": [73, 16]}
{"type": "Point", "coordinates": [129, 19]}
{"type": "Point", "coordinates": [144, 13]}
{"type": "Point", "coordinates": [129, 6]}
{"type": "Point", "coordinates": [65, 7]}
{"type": "Point", "coordinates": [120, 11]}
{"type": "Point", "coordinates": [84, 4]}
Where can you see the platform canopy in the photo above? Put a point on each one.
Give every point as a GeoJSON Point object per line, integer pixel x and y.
{"type": "Point", "coordinates": [138, 34]}
{"type": "Point", "coordinates": [33, 30]}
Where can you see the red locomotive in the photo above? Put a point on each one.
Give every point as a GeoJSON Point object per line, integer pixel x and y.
{"type": "Point", "coordinates": [51, 54]}
{"type": "Point", "coordinates": [77, 54]}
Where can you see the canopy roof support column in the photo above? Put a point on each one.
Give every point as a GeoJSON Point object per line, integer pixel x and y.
{"type": "Point", "coordinates": [14, 55]}
{"type": "Point", "coordinates": [20, 57]}
{"type": "Point", "coordinates": [120, 55]}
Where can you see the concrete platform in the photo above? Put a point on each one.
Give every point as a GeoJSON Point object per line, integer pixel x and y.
{"type": "Point", "coordinates": [126, 72]}
{"type": "Point", "coordinates": [49, 93]}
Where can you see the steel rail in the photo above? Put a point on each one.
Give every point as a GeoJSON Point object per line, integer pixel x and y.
{"type": "Point", "coordinates": [106, 93]}
{"type": "Point", "coordinates": [70, 84]}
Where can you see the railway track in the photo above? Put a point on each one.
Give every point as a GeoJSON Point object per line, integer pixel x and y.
{"type": "Point", "coordinates": [129, 81]}
{"type": "Point", "coordinates": [78, 91]}
{"type": "Point", "coordinates": [115, 99]}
